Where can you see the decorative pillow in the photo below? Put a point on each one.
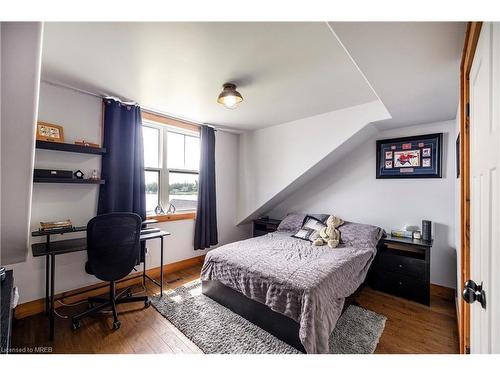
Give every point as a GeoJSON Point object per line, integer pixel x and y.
{"type": "Point", "coordinates": [294, 221]}
{"type": "Point", "coordinates": [310, 229]}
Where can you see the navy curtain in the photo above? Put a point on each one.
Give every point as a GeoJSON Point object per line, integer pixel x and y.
{"type": "Point", "coordinates": [205, 233]}
{"type": "Point", "coordinates": [123, 163]}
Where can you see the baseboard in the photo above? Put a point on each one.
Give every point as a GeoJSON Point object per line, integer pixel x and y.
{"type": "Point", "coordinates": [37, 306]}
{"type": "Point", "coordinates": [443, 292]}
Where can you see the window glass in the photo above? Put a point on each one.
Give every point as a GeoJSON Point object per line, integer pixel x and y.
{"type": "Point", "coordinates": [192, 153]}
{"type": "Point", "coordinates": [151, 138]}
{"type": "Point", "coordinates": [152, 179]}
{"type": "Point", "coordinates": [175, 150]}
{"type": "Point", "coordinates": [183, 190]}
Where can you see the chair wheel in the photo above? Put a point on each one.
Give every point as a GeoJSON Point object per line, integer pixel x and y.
{"type": "Point", "coordinates": [75, 325]}
{"type": "Point", "coordinates": [147, 303]}
{"type": "Point", "coordinates": [116, 324]}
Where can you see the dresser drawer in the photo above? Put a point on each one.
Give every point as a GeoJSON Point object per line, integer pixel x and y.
{"type": "Point", "coordinates": [406, 265]}
{"type": "Point", "coordinates": [401, 285]}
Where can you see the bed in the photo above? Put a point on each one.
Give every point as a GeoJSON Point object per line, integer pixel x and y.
{"type": "Point", "coordinates": [289, 287]}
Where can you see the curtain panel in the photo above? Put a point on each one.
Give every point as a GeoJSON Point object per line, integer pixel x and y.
{"type": "Point", "coordinates": [205, 234]}
{"type": "Point", "coordinates": [123, 163]}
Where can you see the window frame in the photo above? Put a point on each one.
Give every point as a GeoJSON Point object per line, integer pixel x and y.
{"type": "Point", "coordinates": [163, 170]}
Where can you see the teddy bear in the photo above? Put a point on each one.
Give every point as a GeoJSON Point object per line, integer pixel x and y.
{"type": "Point", "coordinates": [330, 235]}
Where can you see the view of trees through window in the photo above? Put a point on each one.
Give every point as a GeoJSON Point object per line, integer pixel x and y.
{"type": "Point", "coordinates": [180, 177]}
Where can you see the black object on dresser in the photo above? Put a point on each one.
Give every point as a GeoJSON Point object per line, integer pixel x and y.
{"type": "Point", "coordinates": [402, 268]}
{"type": "Point", "coordinates": [7, 295]}
{"type": "Point", "coordinates": [265, 226]}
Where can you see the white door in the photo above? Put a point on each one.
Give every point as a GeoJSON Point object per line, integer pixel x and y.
{"type": "Point", "coordinates": [484, 80]}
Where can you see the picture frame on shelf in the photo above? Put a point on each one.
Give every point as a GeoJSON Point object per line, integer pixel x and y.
{"type": "Point", "coordinates": [410, 157]}
{"type": "Point", "coordinates": [49, 132]}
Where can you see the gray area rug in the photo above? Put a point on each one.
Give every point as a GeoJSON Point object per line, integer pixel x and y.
{"type": "Point", "coordinates": [217, 330]}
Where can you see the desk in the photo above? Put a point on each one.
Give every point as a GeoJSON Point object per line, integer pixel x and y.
{"type": "Point", "coordinates": [50, 249]}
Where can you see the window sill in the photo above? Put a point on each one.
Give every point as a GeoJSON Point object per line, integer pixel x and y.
{"type": "Point", "coordinates": [173, 217]}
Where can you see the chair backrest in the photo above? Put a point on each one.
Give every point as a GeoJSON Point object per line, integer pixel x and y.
{"type": "Point", "coordinates": [113, 244]}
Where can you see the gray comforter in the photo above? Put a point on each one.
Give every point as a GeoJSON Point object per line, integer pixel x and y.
{"type": "Point", "coordinates": [291, 276]}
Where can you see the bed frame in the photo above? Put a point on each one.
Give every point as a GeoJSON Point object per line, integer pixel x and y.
{"type": "Point", "coordinates": [279, 325]}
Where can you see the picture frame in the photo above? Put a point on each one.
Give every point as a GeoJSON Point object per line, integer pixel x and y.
{"type": "Point", "coordinates": [49, 132]}
{"type": "Point", "coordinates": [410, 157]}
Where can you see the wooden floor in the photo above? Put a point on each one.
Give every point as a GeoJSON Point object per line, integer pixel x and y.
{"type": "Point", "coordinates": [410, 327]}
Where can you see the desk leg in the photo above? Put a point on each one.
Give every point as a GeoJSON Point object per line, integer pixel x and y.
{"type": "Point", "coordinates": [52, 277]}
{"type": "Point", "coordinates": [161, 267]}
{"type": "Point", "coordinates": [47, 286]}
{"type": "Point", "coordinates": [144, 270]}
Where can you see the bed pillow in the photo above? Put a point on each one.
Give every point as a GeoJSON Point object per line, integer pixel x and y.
{"type": "Point", "coordinates": [360, 235]}
{"type": "Point", "coordinates": [294, 221]}
{"type": "Point", "coordinates": [291, 223]}
{"type": "Point", "coordinates": [310, 229]}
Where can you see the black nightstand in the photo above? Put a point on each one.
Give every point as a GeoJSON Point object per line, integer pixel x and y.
{"type": "Point", "coordinates": [402, 267]}
{"type": "Point", "coordinates": [264, 226]}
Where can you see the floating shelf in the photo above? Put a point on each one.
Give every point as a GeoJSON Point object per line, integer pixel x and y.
{"type": "Point", "coordinates": [68, 181]}
{"type": "Point", "coordinates": [68, 147]}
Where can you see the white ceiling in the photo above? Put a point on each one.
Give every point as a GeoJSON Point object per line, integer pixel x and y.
{"type": "Point", "coordinates": [413, 66]}
{"type": "Point", "coordinates": [285, 71]}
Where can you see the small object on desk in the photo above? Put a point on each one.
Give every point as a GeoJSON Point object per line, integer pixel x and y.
{"type": "Point", "coordinates": [417, 235]}
{"type": "Point", "coordinates": [83, 142]}
{"type": "Point", "coordinates": [78, 174]}
{"type": "Point", "coordinates": [264, 226]}
{"type": "Point", "coordinates": [51, 225]}
{"type": "Point", "coordinates": [94, 175]}
{"type": "Point", "coordinates": [52, 173]}
{"type": "Point", "coordinates": [402, 267]}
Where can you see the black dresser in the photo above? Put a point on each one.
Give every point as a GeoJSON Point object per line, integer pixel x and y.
{"type": "Point", "coordinates": [7, 294]}
{"type": "Point", "coordinates": [402, 267]}
{"type": "Point", "coordinates": [264, 226]}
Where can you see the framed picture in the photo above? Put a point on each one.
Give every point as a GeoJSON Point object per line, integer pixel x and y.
{"type": "Point", "coordinates": [457, 155]}
{"type": "Point", "coordinates": [49, 132]}
{"type": "Point", "coordinates": [410, 157]}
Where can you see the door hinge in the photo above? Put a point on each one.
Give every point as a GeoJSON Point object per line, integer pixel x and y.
{"type": "Point", "coordinates": [467, 350]}
{"type": "Point", "coordinates": [467, 109]}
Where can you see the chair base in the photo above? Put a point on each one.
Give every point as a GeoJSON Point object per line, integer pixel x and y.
{"type": "Point", "coordinates": [125, 296]}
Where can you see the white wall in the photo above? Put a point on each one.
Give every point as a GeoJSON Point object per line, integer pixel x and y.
{"type": "Point", "coordinates": [20, 71]}
{"type": "Point", "coordinates": [273, 158]}
{"type": "Point", "coordinates": [351, 191]}
{"type": "Point", "coordinates": [80, 115]}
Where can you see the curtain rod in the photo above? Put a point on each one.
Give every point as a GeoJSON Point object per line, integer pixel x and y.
{"type": "Point", "coordinates": [151, 110]}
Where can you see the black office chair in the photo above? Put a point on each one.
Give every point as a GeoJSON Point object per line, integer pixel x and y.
{"type": "Point", "coordinates": [113, 248]}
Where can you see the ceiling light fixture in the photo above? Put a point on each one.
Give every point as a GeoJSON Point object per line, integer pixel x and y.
{"type": "Point", "coordinates": [229, 97]}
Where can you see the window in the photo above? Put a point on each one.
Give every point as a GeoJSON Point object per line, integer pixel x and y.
{"type": "Point", "coordinates": [171, 163]}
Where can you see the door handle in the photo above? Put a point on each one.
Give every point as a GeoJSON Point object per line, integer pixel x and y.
{"type": "Point", "coordinates": [473, 292]}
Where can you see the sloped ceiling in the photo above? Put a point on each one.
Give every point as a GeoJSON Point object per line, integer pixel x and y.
{"type": "Point", "coordinates": [285, 71]}
{"type": "Point", "coordinates": [413, 66]}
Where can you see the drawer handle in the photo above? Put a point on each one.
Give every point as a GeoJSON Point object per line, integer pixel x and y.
{"type": "Point", "coordinates": [400, 265]}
